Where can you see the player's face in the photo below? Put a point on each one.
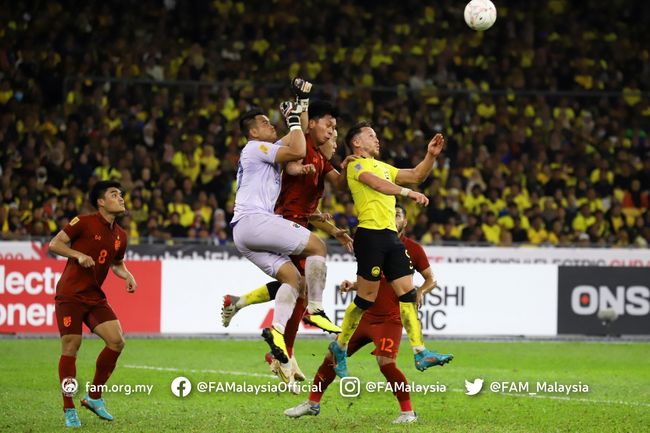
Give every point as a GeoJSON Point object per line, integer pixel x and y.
{"type": "Point", "coordinates": [329, 148]}
{"type": "Point", "coordinates": [264, 130]}
{"type": "Point", "coordinates": [400, 221]}
{"type": "Point", "coordinates": [368, 142]}
{"type": "Point", "coordinates": [113, 201]}
{"type": "Point", "coordinates": [322, 130]}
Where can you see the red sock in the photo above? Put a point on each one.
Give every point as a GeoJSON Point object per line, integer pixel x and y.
{"type": "Point", "coordinates": [394, 376]}
{"type": "Point", "coordinates": [67, 368]}
{"type": "Point", "coordinates": [103, 368]}
{"type": "Point", "coordinates": [324, 376]}
{"type": "Point", "coordinates": [291, 329]}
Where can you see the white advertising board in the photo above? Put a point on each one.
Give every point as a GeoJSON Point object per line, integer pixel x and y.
{"type": "Point", "coordinates": [473, 300]}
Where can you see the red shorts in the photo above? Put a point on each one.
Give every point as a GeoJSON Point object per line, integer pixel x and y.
{"type": "Point", "coordinates": [70, 315]}
{"type": "Point", "coordinates": [300, 263]}
{"type": "Point", "coordinates": [385, 334]}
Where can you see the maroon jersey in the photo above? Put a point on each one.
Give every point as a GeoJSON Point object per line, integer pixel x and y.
{"type": "Point", "coordinates": [386, 305]}
{"type": "Point", "coordinates": [299, 195]}
{"type": "Point", "coordinates": [93, 236]}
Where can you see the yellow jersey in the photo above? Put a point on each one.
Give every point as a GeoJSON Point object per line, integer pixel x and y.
{"type": "Point", "coordinates": [375, 210]}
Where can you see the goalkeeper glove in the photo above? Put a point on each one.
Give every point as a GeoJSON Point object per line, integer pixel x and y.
{"type": "Point", "coordinates": [301, 89]}
{"type": "Point", "coordinates": [291, 111]}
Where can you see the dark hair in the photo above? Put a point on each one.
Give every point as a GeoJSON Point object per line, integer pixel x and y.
{"type": "Point", "coordinates": [247, 120]}
{"type": "Point", "coordinates": [399, 206]}
{"type": "Point", "coordinates": [100, 188]}
{"type": "Point", "coordinates": [318, 109]}
{"type": "Point", "coordinates": [354, 131]}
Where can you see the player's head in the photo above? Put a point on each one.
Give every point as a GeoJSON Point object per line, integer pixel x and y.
{"type": "Point", "coordinates": [256, 126]}
{"type": "Point", "coordinates": [107, 195]}
{"type": "Point", "coordinates": [362, 139]}
{"type": "Point", "coordinates": [329, 148]}
{"type": "Point", "coordinates": [322, 121]}
{"type": "Point", "coordinates": [400, 218]}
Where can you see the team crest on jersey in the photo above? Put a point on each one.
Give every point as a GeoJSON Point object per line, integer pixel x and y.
{"type": "Point", "coordinates": [67, 321]}
{"type": "Point", "coordinates": [117, 244]}
{"type": "Point", "coordinates": [358, 166]}
{"type": "Point", "coordinates": [74, 221]}
{"type": "Point", "coordinates": [264, 148]}
{"type": "Point", "coordinates": [375, 271]}
{"type": "Point", "coordinates": [98, 237]}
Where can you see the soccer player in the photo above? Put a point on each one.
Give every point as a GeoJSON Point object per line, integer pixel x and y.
{"type": "Point", "coordinates": [378, 249]}
{"type": "Point", "coordinates": [93, 244]}
{"type": "Point", "coordinates": [302, 187]}
{"type": "Point", "coordinates": [382, 326]}
{"type": "Point", "coordinates": [262, 236]}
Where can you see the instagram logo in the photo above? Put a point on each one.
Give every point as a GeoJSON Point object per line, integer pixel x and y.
{"type": "Point", "coordinates": [350, 387]}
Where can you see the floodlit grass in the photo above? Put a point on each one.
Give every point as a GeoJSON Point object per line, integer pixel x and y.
{"type": "Point", "coordinates": [617, 375]}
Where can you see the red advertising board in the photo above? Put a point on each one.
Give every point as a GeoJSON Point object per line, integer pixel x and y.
{"type": "Point", "coordinates": [27, 289]}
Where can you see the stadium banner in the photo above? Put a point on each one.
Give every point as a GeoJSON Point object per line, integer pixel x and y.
{"type": "Point", "coordinates": [588, 296]}
{"type": "Point", "coordinates": [473, 299]}
{"type": "Point", "coordinates": [27, 289]}
{"type": "Point", "coordinates": [25, 250]}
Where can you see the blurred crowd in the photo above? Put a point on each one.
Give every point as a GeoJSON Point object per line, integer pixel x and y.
{"type": "Point", "coordinates": [546, 115]}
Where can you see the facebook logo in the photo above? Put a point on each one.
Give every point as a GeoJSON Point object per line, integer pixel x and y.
{"type": "Point", "coordinates": [181, 386]}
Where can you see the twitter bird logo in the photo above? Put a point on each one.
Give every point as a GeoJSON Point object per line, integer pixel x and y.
{"type": "Point", "coordinates": [475, 387]}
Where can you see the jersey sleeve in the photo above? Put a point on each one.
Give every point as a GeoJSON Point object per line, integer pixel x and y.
{"type": "Point", "coordinates": [74, 228]}
{"type": "Point", "coordinates": [264, 151]}
{"type": "Point", "coordinates": [360, 166]}
{"type": "Point", "coordinates": [418, 256]}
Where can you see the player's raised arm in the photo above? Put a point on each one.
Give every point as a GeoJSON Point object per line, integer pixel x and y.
{"type": "Point", "coordinates": [294, 146]}
{"type": "Point", "coordinates": [301, 88]}
{"type": "Point", "coordinates": [389, 188]}
{"type": "Point", "coordinates": [417, 174]}
{"type": "Point", "coordinates": [60, 245]}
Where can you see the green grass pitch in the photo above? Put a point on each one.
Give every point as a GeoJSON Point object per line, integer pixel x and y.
{"type": "Point", "coordinates": [618, 375]}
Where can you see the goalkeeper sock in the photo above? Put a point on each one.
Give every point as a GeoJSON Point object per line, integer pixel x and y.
{"type": "Point", "coordinates": [351, 319]}
{"type": "Point", "coordinates": [409, 312]}
{"type": "Point", "coordinates": [285, 301]}
{"type": "Point", "coordinates": [315, 275]}
{"type": "Point", "coordinates": [258, 296]}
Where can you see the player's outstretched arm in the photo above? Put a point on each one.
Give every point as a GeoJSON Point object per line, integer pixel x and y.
{"type": "Point", "coordinates": [121, 271]}
{"type": "Point", "coordinates": [294, 146]}
{"type": "Point", "coordinates": [417, 174]}
{"type": "Point", "coordinates": [330, 228]}
{"type": "Point", "coordinates": [60, 245]}
{"type": "Point", "coordinates": [385, 187]}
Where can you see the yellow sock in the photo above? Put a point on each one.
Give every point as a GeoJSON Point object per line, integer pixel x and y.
{"type": "Point", "coordinates": [257, 296]}
{"type": "Point", "coordinates": [411, 323]}
{"type": "Point", "coordinates": [351, 320]}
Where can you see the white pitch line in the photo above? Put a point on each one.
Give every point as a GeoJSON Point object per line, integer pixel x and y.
{"type": "Point", "coordinates": [189, 370]}
{"type": "Point", "coordinates": [243, 373]}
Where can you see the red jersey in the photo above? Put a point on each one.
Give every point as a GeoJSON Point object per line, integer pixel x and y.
{"type": "Point", "coordinates": [386, 306]}
{"type": "Point", "coordinates": [93, 236]}
{"type": "Point", "coordinates": [299, 195]}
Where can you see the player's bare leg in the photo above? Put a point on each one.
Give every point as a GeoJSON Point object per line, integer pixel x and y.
{"type": "Point", "coordinates": [111, 333]}
{"type": "Point", "coordinates": [366, 294]}
{"type": "Point", "coordinates": [407, 295]}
